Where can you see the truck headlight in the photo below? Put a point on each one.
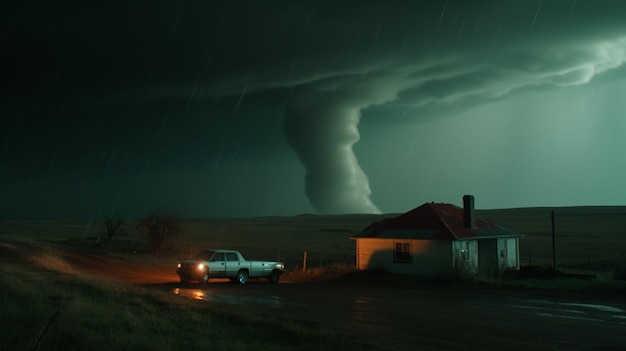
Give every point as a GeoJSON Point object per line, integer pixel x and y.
{"type": "Point", "coordinates": [179, 265]}
{"type": "Point", "coordinates": [200, 266]}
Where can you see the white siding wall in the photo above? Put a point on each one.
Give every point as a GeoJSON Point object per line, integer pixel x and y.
{"type": "Point", "coordinates": [429, 257]}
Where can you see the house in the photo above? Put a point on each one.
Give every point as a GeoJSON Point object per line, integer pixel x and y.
{"type": "Point", "coordinates": [435, 239]}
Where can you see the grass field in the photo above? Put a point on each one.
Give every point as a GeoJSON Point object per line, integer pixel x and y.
{"type": "Point", "coordinates": [46, 305]}
{"type": "Point", "coordinates": [591, 238]}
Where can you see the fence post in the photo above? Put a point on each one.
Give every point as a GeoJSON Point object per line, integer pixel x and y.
{"type": "Point", "coordinates": [304, 262]}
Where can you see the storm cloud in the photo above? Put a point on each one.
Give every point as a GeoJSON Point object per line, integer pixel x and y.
{"type": "Point", "coordinates": [312, 67]}
{"type": "Point", "coordinates": [473, 54]}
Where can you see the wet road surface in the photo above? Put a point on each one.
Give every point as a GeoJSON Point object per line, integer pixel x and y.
{"type": "Point", "coordinates": [432, 318]}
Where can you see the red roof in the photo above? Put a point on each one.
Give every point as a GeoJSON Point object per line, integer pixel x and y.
{"type": "Point", "coordinates": [434, 221]}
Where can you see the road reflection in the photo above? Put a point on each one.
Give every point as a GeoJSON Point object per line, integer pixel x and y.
{"type": "Point", "coordinates": [204, 295]}
{"type": "Point", "coordinates": [574, 310]}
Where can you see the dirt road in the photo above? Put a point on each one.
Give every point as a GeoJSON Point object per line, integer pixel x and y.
{"type": "Point", "coordinates": [418, 316]}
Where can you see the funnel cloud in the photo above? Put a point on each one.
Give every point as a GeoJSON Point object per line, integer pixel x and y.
{"type": "Point", "coordinates": [322, 127]}
{"type": "Point", "coordinates": [323, 138]}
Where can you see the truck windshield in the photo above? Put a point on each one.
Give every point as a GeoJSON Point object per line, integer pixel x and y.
{"type": "Point", "coordinates": [204, 255]}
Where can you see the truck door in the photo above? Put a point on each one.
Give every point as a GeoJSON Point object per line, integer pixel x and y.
{"type": "Point", "coordinates": [232, 264]}
{"type": "Point", "coordinates": [217, 265]}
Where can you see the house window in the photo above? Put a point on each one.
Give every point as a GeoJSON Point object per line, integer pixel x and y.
{"type": "Point", "coordinates": [402, 253]}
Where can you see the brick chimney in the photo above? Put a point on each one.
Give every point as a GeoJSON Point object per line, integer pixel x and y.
{"type": "Point", "coordinates": [468, 211]}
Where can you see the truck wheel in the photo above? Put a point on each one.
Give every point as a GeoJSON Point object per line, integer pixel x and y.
{"type": "Point", "coordinates": [274, 277]}
{"type": "Point", "coordinates": [242, 277]}
{"type": "Point", "coordinates": [204, 279]}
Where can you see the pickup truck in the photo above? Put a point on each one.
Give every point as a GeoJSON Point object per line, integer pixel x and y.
{"type": "Point", "coordinates": [227, 264]}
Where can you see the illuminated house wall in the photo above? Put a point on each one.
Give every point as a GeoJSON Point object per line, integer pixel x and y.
{"type": "Point", "coordinates": [435, 239]}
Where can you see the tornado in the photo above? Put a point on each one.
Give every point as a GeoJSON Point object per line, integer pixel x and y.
{"type": "Point", "coordinates": [322, 129]}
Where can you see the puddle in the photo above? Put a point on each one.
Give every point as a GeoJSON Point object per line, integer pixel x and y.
{"type": "Point", "coordinates": [196, 294]}
{"type": "Point", "coordinates": [603, 308]}
{"type": "Point", "coordinates": [574, 310]}
{"type": "Point", "coordinates": [569, 317]}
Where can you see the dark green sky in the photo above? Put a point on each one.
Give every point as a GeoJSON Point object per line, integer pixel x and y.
{"type": "Point", "coordinates": [247, 108]}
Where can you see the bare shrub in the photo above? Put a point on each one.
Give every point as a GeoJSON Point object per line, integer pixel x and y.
{"type": "Point", "coordinates": [114, 227]}
{"type": "Point", "coordinates": [159, 227]}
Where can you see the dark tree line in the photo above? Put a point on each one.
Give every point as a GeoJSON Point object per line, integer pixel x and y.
{"type": "Point", "coordinates": [158, 227]}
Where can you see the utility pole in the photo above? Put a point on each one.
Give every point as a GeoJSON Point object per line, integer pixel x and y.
{"type": "Point", "coordinates": [554, 266]}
